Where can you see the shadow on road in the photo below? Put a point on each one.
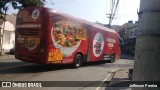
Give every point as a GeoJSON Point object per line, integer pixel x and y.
{"type": "Point", "coordinates": [117, 88]}
{"type": "Point", "coordinates": [119, 85]}
{"type": "Point", "coordinates": [31, 68]}
{"type": "Point", "coordinates": [23, 67]}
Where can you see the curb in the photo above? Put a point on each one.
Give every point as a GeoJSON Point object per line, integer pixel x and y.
{"type": "Point", "coordinates": [108, 78]}
{"type": "Point", "coordinates": [112, 74]}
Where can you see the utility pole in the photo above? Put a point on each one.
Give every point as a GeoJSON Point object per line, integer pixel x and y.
{"type": "Point", "coordinates": [147, 56]}
{"type": "Point", "coordinates": [1, 31]}
{"type": "Point", "coordinates": [113, 8]}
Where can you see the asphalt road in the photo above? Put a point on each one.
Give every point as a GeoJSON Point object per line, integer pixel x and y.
{"type": "Point", "coordinates": [15, 70]}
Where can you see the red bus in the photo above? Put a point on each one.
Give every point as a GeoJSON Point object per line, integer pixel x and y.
{"type": "Point", "coordinates": [46, 36]}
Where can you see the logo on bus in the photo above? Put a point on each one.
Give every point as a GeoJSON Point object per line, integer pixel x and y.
{"type": "Point", "coordinates": [35, 14]}
{"type": "Point", "coordinates": [98, 44]}
{"type": "Point", "coordinates": [31, 43]}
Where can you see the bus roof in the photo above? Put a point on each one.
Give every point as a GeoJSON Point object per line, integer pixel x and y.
{"type": "Point", "coordinates": [77, 19]}
{"type": "Point", "coordinates": [82, 21]}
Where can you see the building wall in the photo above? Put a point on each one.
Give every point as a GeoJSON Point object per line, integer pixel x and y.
{"type": "Point", "coordinates": [8, 36]}
{"type": "Point", "coordinates": [133, 32]}
{"type": "Point", "coordinates": [128, 33]}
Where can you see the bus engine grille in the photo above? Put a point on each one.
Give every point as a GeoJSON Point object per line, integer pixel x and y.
{"type": "Point", "coordinates": [28, 32]}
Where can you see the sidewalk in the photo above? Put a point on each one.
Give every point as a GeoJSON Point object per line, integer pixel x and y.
{"type": "Point", "coordinates": [6, 57]}
{"type": "Point", "coordinates": [119, 80]}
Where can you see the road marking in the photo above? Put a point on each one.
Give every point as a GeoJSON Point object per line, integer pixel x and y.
{"type": "Point", "coordinates": [105, 79]}
{"type": "Point", "coordinates": [5, 68]}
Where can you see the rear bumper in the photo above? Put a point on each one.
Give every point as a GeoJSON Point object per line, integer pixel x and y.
{"type": "Point", "coordinates": [40, 59]}
{"type": "Point", "coordinates": [106, 57]}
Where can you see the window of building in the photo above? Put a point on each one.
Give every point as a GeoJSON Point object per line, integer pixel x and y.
{"type": "Point", "coordinates": [6, 37]}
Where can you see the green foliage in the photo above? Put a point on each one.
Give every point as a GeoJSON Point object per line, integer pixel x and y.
{"type": "Point", "coordinates": [3, 5]}
{"type": "Point", "coordinates": [23, 3]}
{"type": "Point", "coordinates": [26, 3]}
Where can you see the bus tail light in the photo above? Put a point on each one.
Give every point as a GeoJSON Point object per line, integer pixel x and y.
{"type": "Point", "coordinates": [42, 47]}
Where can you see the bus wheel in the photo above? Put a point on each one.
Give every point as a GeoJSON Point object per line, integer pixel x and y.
{"type": "Point", "coordinates": [112, 58]}
{"type": "Point", "coordinates": [78, 61]}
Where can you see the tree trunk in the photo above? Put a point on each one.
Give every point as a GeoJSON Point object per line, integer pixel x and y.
{"type": "Point", "coordinates": [147, 56]}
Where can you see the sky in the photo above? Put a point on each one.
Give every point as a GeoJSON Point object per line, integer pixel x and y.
{"type": "Point", "coordinates": [95, 10]}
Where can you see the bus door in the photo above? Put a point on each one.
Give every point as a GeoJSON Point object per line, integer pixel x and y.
{"type": "Point", "coordinates": [89, 42]}
{"type": "Point", "coordinates": [97, 45]}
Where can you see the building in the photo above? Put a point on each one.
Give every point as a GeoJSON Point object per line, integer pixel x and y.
{"type": "Point", "coordinates": [8, 33]}
{"type": "Point", "coordinates": [128, 33]}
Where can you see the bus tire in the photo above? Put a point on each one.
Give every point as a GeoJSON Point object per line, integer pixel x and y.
{"type": "Point", "coordinates": [77, 61]}
{"type": "Point", "coordinates": [112, 58]}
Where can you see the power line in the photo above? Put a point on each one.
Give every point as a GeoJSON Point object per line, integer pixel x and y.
{"type": "Point", "coordinates": [113, 7]}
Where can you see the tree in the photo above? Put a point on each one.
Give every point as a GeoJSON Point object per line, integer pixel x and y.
{"type": "Point", "coordinates": [147, 56]}
{"type": "Point", "coordinates": [27, 3]}
{"type": "Point", "coordinates": [3, 5]}
{"type": "Point", "coordinates": [23, 3]}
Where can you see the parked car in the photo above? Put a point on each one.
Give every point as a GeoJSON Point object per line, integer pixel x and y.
{"type": "Point", "coordinates": [12, 51]}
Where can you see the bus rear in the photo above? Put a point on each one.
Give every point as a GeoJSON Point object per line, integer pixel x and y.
{"type": "Point", "coordinates": [30, 39]}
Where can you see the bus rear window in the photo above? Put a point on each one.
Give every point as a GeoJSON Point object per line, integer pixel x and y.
{"type": "Point", "coordinates": [29, 15]}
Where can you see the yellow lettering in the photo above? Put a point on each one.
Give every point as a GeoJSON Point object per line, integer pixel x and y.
{"type": "Point", "coordinates": [55, 55]}
{"type": "Point", "coordinates": [50, 57]}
